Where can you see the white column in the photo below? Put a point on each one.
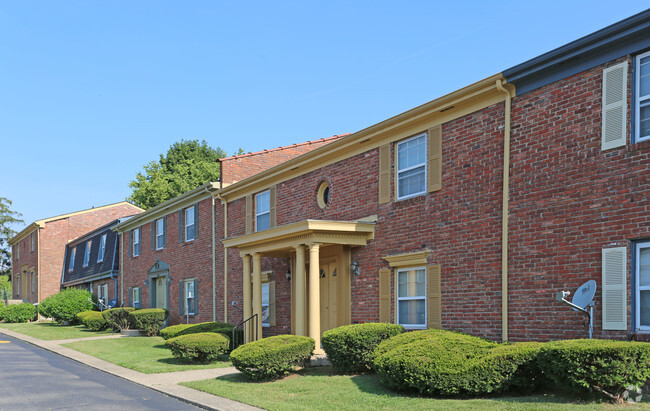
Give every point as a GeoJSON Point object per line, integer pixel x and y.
{"type": "Point", "coordinates": [314, 296]}
{"type": "Point", "coordinates": [257, 292]}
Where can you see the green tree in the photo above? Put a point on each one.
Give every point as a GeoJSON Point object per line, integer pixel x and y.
{"type": "Point", "coordinates": [187, 165]}
{"type": "Point", "coordinates": [8, 218]}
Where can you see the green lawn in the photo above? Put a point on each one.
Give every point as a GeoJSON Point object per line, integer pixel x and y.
{"type": "Point", "coordinates": [318, 389]}
{"type": "Point", "coordinates": [52, 331]}
{"type": "Point", "coordinates": [148, 355]}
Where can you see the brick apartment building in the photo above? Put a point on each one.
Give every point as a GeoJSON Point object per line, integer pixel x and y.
{"type": "Point", "coordinates": [38, 250]}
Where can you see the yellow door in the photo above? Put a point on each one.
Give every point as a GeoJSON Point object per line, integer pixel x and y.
{"type": "Point", "coordinates": [161, 292]}
{"type": "Point", "coordinates": [328, 295]}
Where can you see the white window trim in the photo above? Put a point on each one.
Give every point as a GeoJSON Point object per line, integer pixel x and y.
{"type": "Point", "coordinates": [89, 244]}
{"type": "Point", "coordinates": [638, 98]}
{"type": "Point", "coordinates": [133, 300]}
{"type": "Point", "coordinates": [257, 196]}
{"type": "Point", "coordinates": [187, 309]}
{"type": "Point", "coordinates": [160, 233]}
{"type": "Point", "coordinates": [32, 240]}
{"type": "Point", "coordinates": [136, 241]}
{"type": "Point", "coordinates": [73, 254]}
{"type": "Point", "coordinates": [638, 288]}
{"type": "Point", "coordinates": [266, 324]}
{"type": "Point", "coordinates": [102, 248]}
{"type": "Point", "coordinates": [33, 278]}
{"type": "Point", "coordinates": [398, 171]}
{"type": "Point", "coordinates": [187, 225]}
{"type": "Point", "coordinates": [424, 297]}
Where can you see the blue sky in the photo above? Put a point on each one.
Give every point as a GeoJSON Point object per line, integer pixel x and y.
{"type": "Point", "coordinates": [91, 91]}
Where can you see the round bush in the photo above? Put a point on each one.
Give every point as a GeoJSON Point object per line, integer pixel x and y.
{"type": "Point", "coordinates": [606, 366]}
{"type": "Point", "coordinates": [93, 320]}
{"type": "Point", "coordinates": [350, 347]}
{"type": "Point", "coordinates": [437, 362]}
{"type": "Point", "coordinates": [272, 357]}
{"type": "Point", "coordinates": [173, 330]}
{"type": "Point", "coordinates": [206, 327]}
{"type": "Point", "coordinates": [118, 318]}
{"type": "Point", "coordinates": [150, 320]}
{"type": "Point", "coordinates": [19, 313]}
{"type": "Point", "coordinates": [65, 305]}
{"type": "Point", "coordinates": [199, 347]}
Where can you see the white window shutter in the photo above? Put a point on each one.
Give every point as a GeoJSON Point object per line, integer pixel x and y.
{"type": "Point", "coordinates": [614, 106]}
{"type": "Point", "coordinates": [615, 288]}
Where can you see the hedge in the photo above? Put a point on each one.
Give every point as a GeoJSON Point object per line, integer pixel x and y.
{"type": "Point", "coordinates": [93, 320]}
{"type": "Point", "coordinates": [118, 318]}
{"type": "Point", "coordinates": [173, 330]}
{"type": "Point", "coordinates": [150, 320]}
{"type": "Point", "coordinates": [65, 305]}
{"type": "Point", "coordinates": [350, 347]}
{"type": "Point", "coordinates": [199, 347]}
{"type": "Point", "coordinates": [443, 363]}
{"type": "Point", "coordinates": [272, 357]}
{"type": "Point", "coordinates": [19, 313]}
{"type": "Point", "coordinates": [184, 329]}
{"type": "Point", "coordinates": [606, 366]}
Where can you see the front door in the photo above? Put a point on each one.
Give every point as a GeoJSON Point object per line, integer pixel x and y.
{"type": "Point", "coordinates": [161, 292]}
{"type": "Point", "coordinates": [329, 291]}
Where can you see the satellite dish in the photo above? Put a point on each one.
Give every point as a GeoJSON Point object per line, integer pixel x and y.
{"type": "Point", "coordinates": [584, 295]}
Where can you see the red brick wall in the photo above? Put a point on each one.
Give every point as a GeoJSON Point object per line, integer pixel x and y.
{"type": "Point", "coordinates": [461, 223]}
{"type": "Point", "coordinates": [28, 262]}
{"type": "Point", "coordinates": [187, 260]}
{"type": "Point", "coordinates": [238, 168]}
{"type": "Point", "coordinates": [56, 234]}
{"type": "Point", "coordinates": [569, 200]}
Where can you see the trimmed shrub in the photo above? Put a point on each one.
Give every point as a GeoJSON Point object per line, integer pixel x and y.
{"type": "Point", "coordinates": [437, 362]}
{"type": "Point", "coordinates": [350, 347]}
{"type": "Point", "coordinates": [118, 318]}
{"type": "Point", "coordinates": [606, 366]}
{"type": "Point", "coordinates": [2, 306]}
{"type": "Point", "coordinates": [272, 357]}
{"type": "Point", "coordinates": [65, 305]}
{"type": "Point", "coordinates": [93, 320]}
{"type": "Point", "coordinates": [150, 320]}
{"type": "Point", "coordinates": [199, 347]}
{"type": "Point", "coordinates": [19, 313]}
{"type": "Point", "coordinates": [207, 327]}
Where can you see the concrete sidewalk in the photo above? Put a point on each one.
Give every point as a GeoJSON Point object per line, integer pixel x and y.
{"type": "Point", "coordinates": [166, 383]}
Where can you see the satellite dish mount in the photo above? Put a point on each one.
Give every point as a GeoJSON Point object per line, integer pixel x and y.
{"type": "Point", "coordinates": [583, 298]}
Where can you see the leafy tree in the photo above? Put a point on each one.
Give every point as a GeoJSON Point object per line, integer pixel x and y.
{"type": "Point", "coordinates": [8, 218]}
{"type": "Point", "coordinates": [187, 165]}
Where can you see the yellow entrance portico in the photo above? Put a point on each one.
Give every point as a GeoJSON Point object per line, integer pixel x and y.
{"type": "Point", "coordinates": [319, 252]}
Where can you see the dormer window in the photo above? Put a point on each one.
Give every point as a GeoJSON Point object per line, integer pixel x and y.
{"type": "Point", "coordinates": [87, 253]}
{"type": "Point", "coordinates": [73, 253]}
{"type": "Point", "coordinates": [102, 248]}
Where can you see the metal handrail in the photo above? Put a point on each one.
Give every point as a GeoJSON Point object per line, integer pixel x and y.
{"type": "Point", "coordinates": [236, 342]}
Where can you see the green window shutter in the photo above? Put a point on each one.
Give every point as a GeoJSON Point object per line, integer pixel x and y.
{"type": "Point", "coordinates": [614, 106]}
{"type": "Point", "coordinates": [384, 174]}
{"type": "Point", "coordinates": [272, 321]}
{"type": "Point", "coordinates": [196, 220]}
{"type": "Point", "coordinates": [196, 296]}
{"type": "Point", "coordinates": [131, 243]}
{"type": "Point", "coordinates": [384, 295]}
{"type": "Point", "coordinates": [249, 214]}
{"type": "Point", "coordinates": [181, 226]}
{"type": "Point", "coordinates": [434, 166]}
{"type": "Point", "coordinates": [434, 303]}
{"type": "Point", "coordinates": [153, 235]}
{"type": "Point", "coordinates": [272, 193]}
{"type": "Point", "coordinates": [614, 288]}
{"type": "Point", "coordinates": [164, 231]}
{"type": "Point", "coordinates": [181, 298]}
{"type": "Point", "coordinates": [130, 297]}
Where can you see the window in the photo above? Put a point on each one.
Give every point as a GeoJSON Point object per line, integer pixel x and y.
{"type": "Point", "coordinates": [17, 248]}
{"type": "Point", "coordinates": [323, 196]}
{"type": "Point", "coordinates": [102, 294]}
{"type": "Point", "coordinates": [265, 305]}
{"type": "Point", "coordinates": [190, 295]}
{"type": "Point", "coordinates": [160, 234]}
{"type": "Point", "coordinates": [642, 278]}
{"type": "Point", "coordinates": [102, 248]}
{"type": "Point", "coordinates": [189, 224]}
{"type": "Point", "coordinates": [411, 297]}
{"type": "Point", "coordinates": [33, 282]}
{"type": "Point", "coordinates": [263, 211]}
{"type": "Point", "coordinates": [411, 166]}
{"type": "Point", "coordinates": [136, 241]}
{"type": "Point", "coordinates": [87, 253]}
{"type": "Point", "coordinates": [31, 238]}
{"type": "Point", "coordinates": [642, 97]}
{"type": "Point", "coordinates": [18, 290]}
{"type": "Point", "coordinates": [73, 253]}
{"type": "Point", "coordinates": [136, 297]}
